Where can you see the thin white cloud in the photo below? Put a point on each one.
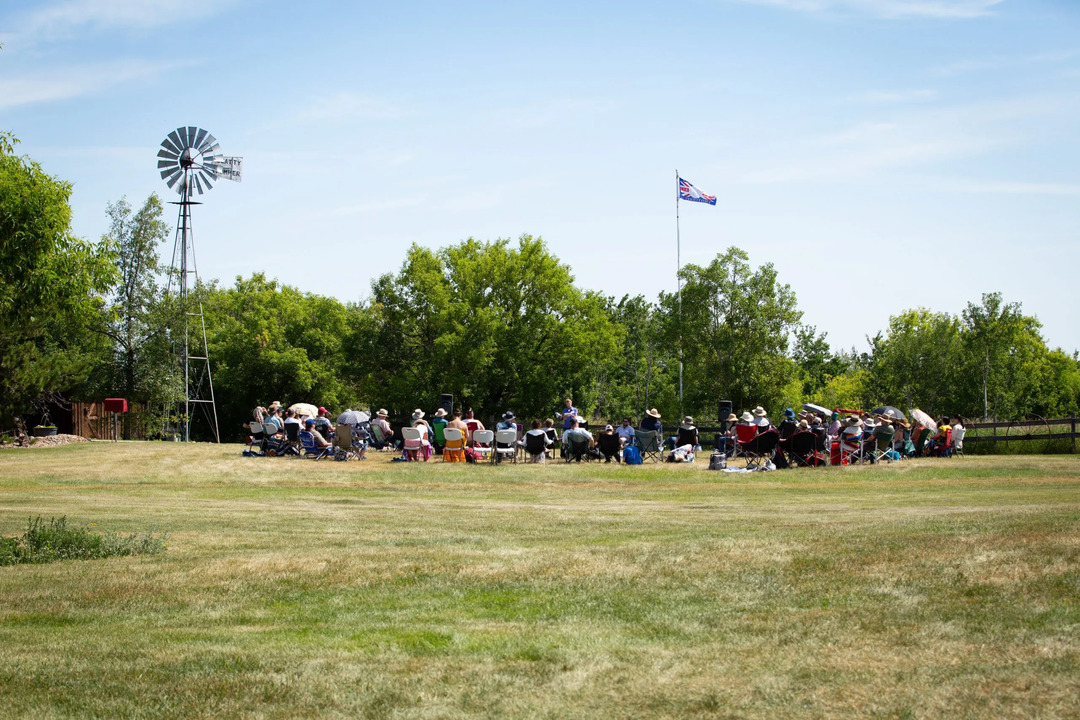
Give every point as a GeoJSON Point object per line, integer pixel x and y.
{"type": "Point", "coordinates": [890, 9]}
{"type": "Point", "coordinates": [1007, 188]}
{"type": "Point", "coordinates": [897, 97]}
{"type": "Point", "coordinates": [63, 83]}
{"type": "Point", "coordinates": [59, 20]}
{"type": "Point", "coordinates": [999, 62]}
{"type": "Point", "coordinates": [906, 141]}
{"type": "Point", "coordinates": [346, 106]}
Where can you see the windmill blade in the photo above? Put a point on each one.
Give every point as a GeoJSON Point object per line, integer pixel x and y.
{"type": "Point", "coordinates": [168, 154]}
{"type": "Point", "coordinates": [197, 143]}
{"type": "Point", "coordinates": [169, 171]}
{"type": "Point", "coordinates": [175, 137]}
{"type": "Point", "coordinates": [174, 177]}
{"type": "Point", "coordinates": [166, 164]}
{"type": "Point", "coordinates": [170, 146]}
{"type": "Point", "coordinates": [184, 136]}
{"type": "Point", "coordinates": [206, 179]}
{"type": "Point", "coordinates": [198, 184]}
{"type": "Point", "coordinates": [191, 135]}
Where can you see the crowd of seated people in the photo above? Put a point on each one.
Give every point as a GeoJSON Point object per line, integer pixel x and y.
{"type": "Point", "coordinates": [856, 438]}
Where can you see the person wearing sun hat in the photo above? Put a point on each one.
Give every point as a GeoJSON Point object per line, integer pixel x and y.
{"type": "Point", "coordinates": [651, 422]}
{"type": "Point", "coordinates": [761, 419]}
{"type": "Point", "coordinates": [788, 426]}
{"type": "Point", "coordinates": [725, 441]}
{"type": "Point", "coordinates": [851, 435]}
{"type": "Point", "coordinates": [438, 424]}
{"type": "Point", "coordinates": [384, 429]}
{"type": "Point", "coordinates": [688, 434]}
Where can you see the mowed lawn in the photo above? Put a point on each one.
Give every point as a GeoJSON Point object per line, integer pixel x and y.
{"type": "Point", "coordinates": [931, 588]}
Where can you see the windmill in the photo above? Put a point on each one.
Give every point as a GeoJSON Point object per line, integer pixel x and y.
{"type": "Point", "coordinates": [190, 160]}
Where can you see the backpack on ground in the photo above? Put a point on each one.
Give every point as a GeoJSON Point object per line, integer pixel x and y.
{"type": "Point", "coordinates": [631, 455]}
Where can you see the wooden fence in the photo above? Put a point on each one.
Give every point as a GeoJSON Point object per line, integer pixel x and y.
{"type": "Point", "coordinates": [1024, 431]}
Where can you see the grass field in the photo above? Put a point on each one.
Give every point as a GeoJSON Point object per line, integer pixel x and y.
{"type": "Point", "coordinates": [931, 588]}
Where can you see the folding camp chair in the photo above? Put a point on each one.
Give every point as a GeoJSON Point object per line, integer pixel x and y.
{"type": "Point", "coordinates": [438, 432]}
{"type": "Point", "coordinates": [920, 442]}
{"type": "Point", "coordinates": [877, 446]}
{"type": "Point", "coordinates": [576, 449]}
{"type": "Point", "coordinates": [554, 438]}
{"type": "Point", "coordinates": [483, 440]}
{"type": "Point", "coordinates": [454, 450]}
{"type": "Point", "coordinates": [536, 446]}
{"type": "Point", "coordinates": [610, 446]}
{"type": "Point", "coordinates": [505, 444]}
{"type": "Point", "coordinates": [292, 437]}
{"type": "Point", "coordinates": [760, 450]}
{"type": "Point", "coordinates": [744, 434]}
{"type": "Point", "coordinates": [942, 449]}
{"type": "Point", "coordinates": [311, 450]}
{"type": "Point", "coordinates": [648, 442]}
{"type": "Point", "coordinates": [379, 438]}
{"type": "Point", "coordinates": [344, 448]}
{"type": "Point", "coordinates": [803, 451]}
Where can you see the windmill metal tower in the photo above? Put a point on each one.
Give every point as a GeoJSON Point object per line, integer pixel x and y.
{"type": "Point", "coordinates": [190, 159]}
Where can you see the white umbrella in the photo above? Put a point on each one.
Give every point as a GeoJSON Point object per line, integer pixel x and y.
{"type": "Point", "coordinates": [923, 419]}
{"type": "Point", "coordinates": [353, 417]}
{"type": "Point", "coordinates": [304, 410]}
{"type": "Point", "coordinates": [817, 409]}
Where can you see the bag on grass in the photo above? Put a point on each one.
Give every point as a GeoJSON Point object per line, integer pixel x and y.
{"type": "Point", "coordinates": [631, 455]}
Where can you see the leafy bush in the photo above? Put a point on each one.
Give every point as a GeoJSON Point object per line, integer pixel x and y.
{"type": "Point", "coordinates": [53, 540]}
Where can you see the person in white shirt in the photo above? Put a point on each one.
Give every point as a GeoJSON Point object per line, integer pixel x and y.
{"type": "Point", "coordinates": [625, 431]}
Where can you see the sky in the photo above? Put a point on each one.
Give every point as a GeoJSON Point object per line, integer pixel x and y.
{"type": "Point", "coordinates": [882, 154]}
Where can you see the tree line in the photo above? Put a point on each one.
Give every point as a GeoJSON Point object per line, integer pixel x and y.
{"type": "Point", "coordinates": [499, 324]}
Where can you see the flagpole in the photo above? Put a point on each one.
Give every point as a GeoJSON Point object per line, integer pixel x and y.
{"type": "Point", "coordinates": [678, 279]}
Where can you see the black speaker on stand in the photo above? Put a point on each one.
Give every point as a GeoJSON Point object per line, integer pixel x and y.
{"type": "Point", "coordinates": [722, 413]}
{"type": "Point", "coordinates": [446, 402]}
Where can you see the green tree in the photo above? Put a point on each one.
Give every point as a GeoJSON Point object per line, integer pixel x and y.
{"type": "Point", "coordinates": [919, 363]}
{"type": "Point", "coordinates": [500, 327]}
{"type": "Point", "coordinates": [817, 363]}
{"type": "Point", "coordinates": [642, 373]}
{"type": "Point", "coordinates": [1005, 349]}
{"type": "Point", "coordinates": [50, 285]}
{"type": "Point", "coordinates": [273, 342]}
{"type": "Point", "coordinates": [733, 328]}
{"type": "Point", "coordinates": [143, 366]}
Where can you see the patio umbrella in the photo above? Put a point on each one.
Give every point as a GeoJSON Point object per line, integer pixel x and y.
{"type": "Point", "coordinates": [923, 419]}
{"type": "Point", "coordinates": [817, 409]}
{"type": "Point", "coordinates": [304, 409]}
{"type": "Point", "coordinates": [353, 417]}
{"type": "Point", "coordinates": [889, 411]}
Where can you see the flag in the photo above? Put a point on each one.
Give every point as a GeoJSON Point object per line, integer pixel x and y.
{"type": "Point", "coordinates": [691, 193]}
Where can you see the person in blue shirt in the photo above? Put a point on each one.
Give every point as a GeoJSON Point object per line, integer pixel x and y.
{"type": "Point", "coordinates": [507, 422]}
{"type": "Point", "coordinates": [568, 414]}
